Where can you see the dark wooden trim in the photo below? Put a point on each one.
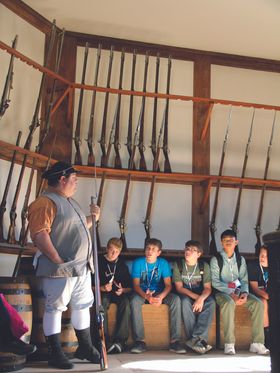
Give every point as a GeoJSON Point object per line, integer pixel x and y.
{"type": "Point", "coordinates": [7, 149]}
{"type": "Point", "coordinates": [201, 151]}
{"type": "Point", "coordinates": [28, 14]}
{"type": "Point", "coordinates": [179, 53]}
{"type": "Point", "coordinates": [62, 118]}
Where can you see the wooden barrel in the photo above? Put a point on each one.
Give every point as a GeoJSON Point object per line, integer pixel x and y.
{"type": "Point", "coordinates": [18, 293]}
{"type": "Point", "coordinates": [11, 362]}
{"type": "Point", "coordinates": [68, 337]}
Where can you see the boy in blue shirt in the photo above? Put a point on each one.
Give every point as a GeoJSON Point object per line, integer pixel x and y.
{"type": "Point", "coordinates": [151, 277]}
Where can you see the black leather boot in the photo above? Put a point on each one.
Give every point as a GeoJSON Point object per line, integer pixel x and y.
{"type": "Point", "coordinates": [86, 350]}
{"type": "Point", "coordinates": [56, 357]}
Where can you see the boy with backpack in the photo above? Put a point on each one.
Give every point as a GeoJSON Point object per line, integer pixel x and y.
{"type": "Point", "coordinates": [192, 280]}
{"type": "Point", "coordinates": [230, 280]}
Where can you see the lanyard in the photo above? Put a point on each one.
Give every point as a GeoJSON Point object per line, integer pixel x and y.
{"type": "Point", "coordinates": [265, 277]}
{"type": "Point", "coordinates": [149, 280]}
{"type": "Point", "coordinates": [112, 272]}
{"type": "Point", "coordinates": [189, 277]}
{"type": "Point", "coordinates": [231, 267]}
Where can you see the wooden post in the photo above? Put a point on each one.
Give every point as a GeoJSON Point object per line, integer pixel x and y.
{"type": "Point", "coordinates": [201, 151]}
{"type": "Point", "coordinates": [272, 240]}
{"type": "Point", "coordinates": [62, 119]}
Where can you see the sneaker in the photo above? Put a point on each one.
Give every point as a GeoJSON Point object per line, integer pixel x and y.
{"type": "Point", "coordinates": [258, 348]}
{"type": "Point", "coordinates": [139, 347]}
{"type": "Point", "coordinates": [115, 348]}
{"type": "Point", "coordinates": [199, 348]}
{"type": "Point", "coordinates": [206, 345]}
{"type": "Point", "coordinates": [195, 345]}
{"type": "Point", "coordinates": [111, 348]}
{"type": "Point", "coordinates": [177, 347]}
{"type": "Point", "coordinates": [229, 349]}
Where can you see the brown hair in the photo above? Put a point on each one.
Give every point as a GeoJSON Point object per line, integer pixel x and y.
{"type": "Point", "coordinates": [197, 244]}
{"type": "Point", "coordinates": [155, 242]}
{"type": "Point", "coordinates": [116, 242]}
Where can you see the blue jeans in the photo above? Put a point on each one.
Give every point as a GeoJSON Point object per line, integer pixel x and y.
{"type": "Point", "coordinates": [174, 303]}
{"type": "Point", "coordinates": [197, 324]}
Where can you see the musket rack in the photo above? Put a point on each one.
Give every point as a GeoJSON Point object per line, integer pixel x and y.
{"type": "Point", "coordinates": [207, 181]}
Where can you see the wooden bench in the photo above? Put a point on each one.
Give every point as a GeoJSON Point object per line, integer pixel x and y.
{"type": "Point", "coordinates": [243, 328]}
{"type": "Point", "coordinates": [156, 323]}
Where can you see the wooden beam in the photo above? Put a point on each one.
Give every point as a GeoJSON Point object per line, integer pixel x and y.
{"type": "Point", "coordinates": [28, 14]}
{"type": "Point", "coordinates": [179, 53]}
{"type": "Point", "coordinates": [62, 118]}
{"type": "Point", "coordinates": [201, 151]}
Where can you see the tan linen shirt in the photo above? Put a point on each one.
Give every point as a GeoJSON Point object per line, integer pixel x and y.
{"type": "Point", "coordinates": [41, 214]}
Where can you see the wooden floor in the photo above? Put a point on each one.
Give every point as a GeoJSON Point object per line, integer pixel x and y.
{"type": "Point", "coordinates": [164, 361]}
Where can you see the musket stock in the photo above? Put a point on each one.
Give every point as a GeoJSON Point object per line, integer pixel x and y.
{"type": "Point", "coordinates": [102, 141]}
{"type": "Point", "coordinates": [91, 158]}
{"type": "Point", "coordinates": [77, 137]}
{"type": "Point", "coordinates": [5, 100]}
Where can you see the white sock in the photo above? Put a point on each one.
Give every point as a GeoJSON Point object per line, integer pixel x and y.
{"type": "Point", "coordinates": [52, 323]}
{"type": "Point", "coordinates": [80, 319]}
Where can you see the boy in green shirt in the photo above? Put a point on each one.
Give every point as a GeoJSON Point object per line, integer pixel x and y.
{"type": "Point", "coordinates": [192, 280]}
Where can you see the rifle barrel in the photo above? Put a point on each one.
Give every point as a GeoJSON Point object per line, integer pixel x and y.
{"type": "Point", "coordinates": [98, 304]}
{"type": "Point", "coordinates": [5, 100]}
{"type": "Point", "coordinates": [167, 165]}
{"type": "Point", "coordinates": [6, 190]}
{"type": "Point", "coordinates": [141, 146]}
{"type": "Point", "coordinates": [212, 226]}
{"type": "Point", "coordinates": [130, 115]}
{"type": "Point", "coordinates": [261, 204]}
{"type": "Point", "coordinates": [244, 167]}
{"type": "Point", "coordinates": [91, 158]}
{"type": "Point", "coordinates": [77, 137]}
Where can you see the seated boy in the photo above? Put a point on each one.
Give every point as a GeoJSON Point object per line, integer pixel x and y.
{"type": "Point", "coordinates": [152, 285]}
{"type": "Point", "coordinates": [115, 285]}
{"type": "Point", "coordinates": [258, 280]}
{"type": "Point", "coordinates": [192, 280]}
{"type": "Point", "coordinates": [230, 279]}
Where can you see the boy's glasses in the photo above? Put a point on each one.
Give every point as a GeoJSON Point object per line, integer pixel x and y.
{"type": "Point", "coordinates": [228, 240]}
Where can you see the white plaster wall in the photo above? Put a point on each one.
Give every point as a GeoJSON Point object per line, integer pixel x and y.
{"type": "Point", "coordinates": [18, 116]}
